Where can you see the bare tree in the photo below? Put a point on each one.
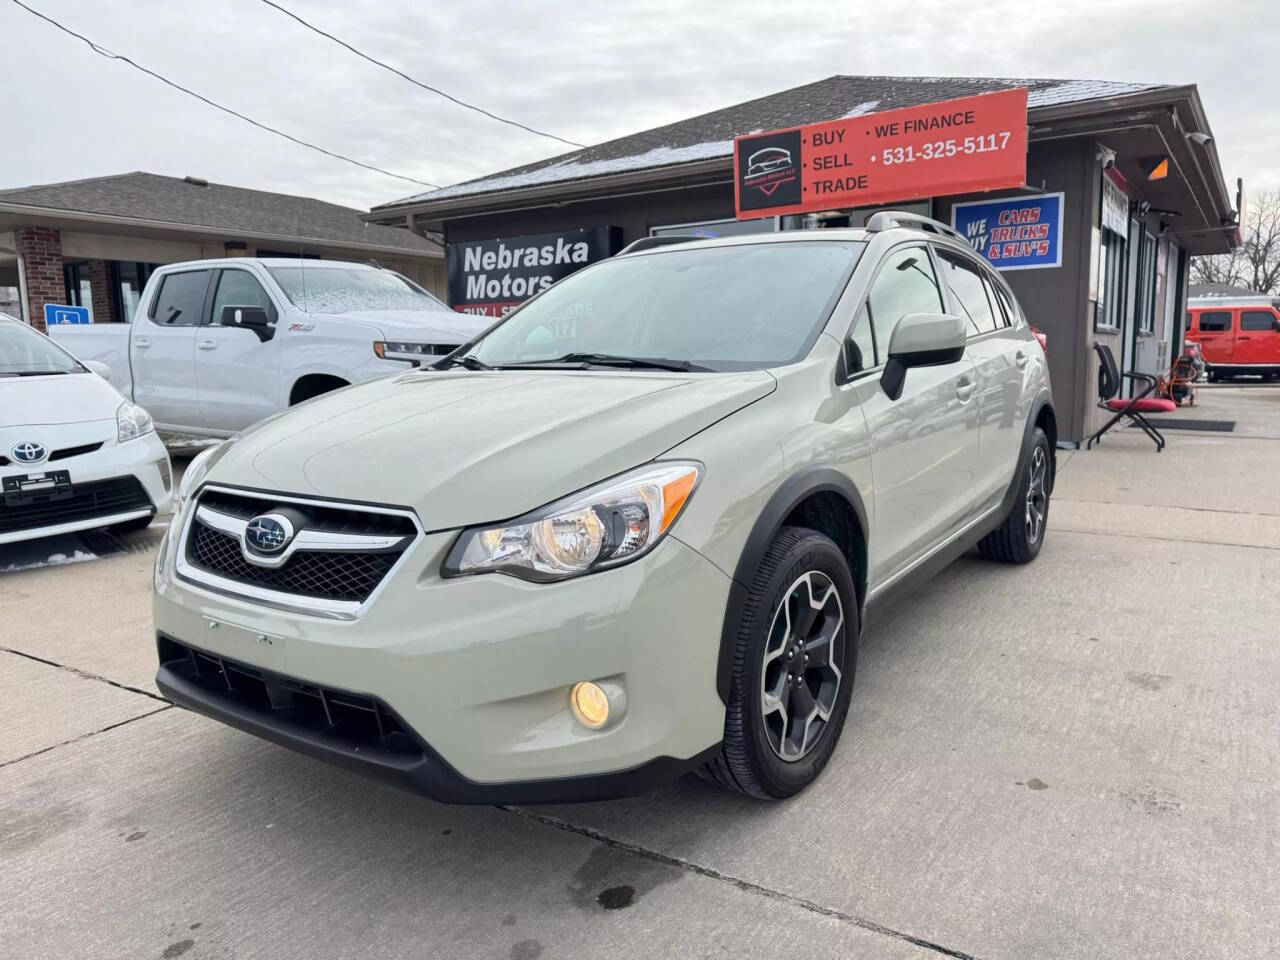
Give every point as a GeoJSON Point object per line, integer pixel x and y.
{"type": "Point", "coordinates": [1256, 262]}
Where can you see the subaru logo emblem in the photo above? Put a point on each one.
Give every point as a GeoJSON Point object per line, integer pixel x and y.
{"type": "Point", "coordinates": [269, 533]}
{"type": "Point", "coordinates": [29, 452]}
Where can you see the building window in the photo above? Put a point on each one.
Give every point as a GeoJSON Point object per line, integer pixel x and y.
{"type": "Point", "coordinates": [1111, 264]}
{"type": "Point", "coordinates": [79, 289]}
{"type": "Point", "coordinates": [127, 282]}
{"type": "Point", "coordinates": [1146, 285]}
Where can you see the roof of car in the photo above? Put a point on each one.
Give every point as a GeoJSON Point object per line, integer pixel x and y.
{"type": "Point", "coordinates": [307, 262]}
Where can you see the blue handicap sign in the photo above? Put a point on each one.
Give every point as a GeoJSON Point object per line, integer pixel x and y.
{"type": "Point", "coordinates": [55, 313]}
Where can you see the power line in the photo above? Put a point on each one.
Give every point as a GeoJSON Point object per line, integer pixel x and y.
{"type": "Point", "coordinates": [110, 55]}
{"type": "Point", "coordinates": [418, 83]}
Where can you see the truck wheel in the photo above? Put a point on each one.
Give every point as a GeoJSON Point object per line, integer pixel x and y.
{"type": "Point", "coordinates": [1019, 537]}
{"type": "Point", "coordinates": [792, 670]}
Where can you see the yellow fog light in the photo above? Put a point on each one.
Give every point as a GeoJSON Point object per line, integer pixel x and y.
{"type": "Point", "coordinates": [599, 704]}
{"type": "Point", "coordinates": [590, 705]}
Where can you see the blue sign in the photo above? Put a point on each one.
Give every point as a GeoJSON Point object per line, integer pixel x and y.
{"type": "Point", "coordinates": [1016, 233]}
{"type": "Point", "coordinates": [55, 313]}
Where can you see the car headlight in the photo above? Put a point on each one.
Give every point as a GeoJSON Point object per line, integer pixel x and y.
{"type": "Point", "coordinates": [132, 422]}
{"type": "Point", "coordinates": [605, 525]}
{"type": "Point", "coordinates": [403, 350]}
{"type": "Point", "coordinates": [196, 471]}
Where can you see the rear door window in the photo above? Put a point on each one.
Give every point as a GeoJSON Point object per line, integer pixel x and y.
{"type": "Point", "coordinates": [1215, 321]}
{"type": "Point", "coordinates": [970, 289]}
{"type": "Point", "coordinates": [1257, 320]}
{"type": "Point", "coordinates": [180, 299]}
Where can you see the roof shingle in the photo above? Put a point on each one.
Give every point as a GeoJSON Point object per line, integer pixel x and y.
{"type": "Point", "coordinates": [235, 210]}
{"type": "Point", "coordinates": [711, 135]}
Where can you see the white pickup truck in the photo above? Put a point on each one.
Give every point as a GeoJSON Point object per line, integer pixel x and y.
{"type": "Point", "coordinates": [217, 345]}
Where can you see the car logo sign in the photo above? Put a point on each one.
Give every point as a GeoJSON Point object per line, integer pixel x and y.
{"type": "Point", "coordinates": [268, 534]}
{"type": "Point", "coordinates": [29, 452]}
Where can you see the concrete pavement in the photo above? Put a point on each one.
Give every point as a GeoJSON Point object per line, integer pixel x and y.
{"type": "Point", "coordinates": [1071, 759]}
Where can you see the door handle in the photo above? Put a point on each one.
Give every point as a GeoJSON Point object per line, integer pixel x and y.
{"type": "Point", "coordinates": [964, 389]}
{"type": "Point", "coordinates": [1020, 359]}
{"type": "Point", "coordinates": [207, 344]}
{"type": "Point", "coordinates": [1244, 338]}
{"type": "Point", "coordinates": [141, 343]}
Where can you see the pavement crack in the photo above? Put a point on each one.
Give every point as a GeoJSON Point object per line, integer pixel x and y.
{"type": "Point", "coordinates": [747, 886]}
{"type": "Point", "coordinates": [84, 674]}
{"type": "Point", "coordinates": [1169, 506]}
{"type": "Point", "coordinates": [1152, 536]}
{"type": "Point", "coordinates": [85, 736]}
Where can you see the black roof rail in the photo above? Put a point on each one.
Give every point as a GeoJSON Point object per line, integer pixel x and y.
{"type": "Point", "coordinates": [888, 219]}
{"type": "Point", "coordinates": [648, 243]}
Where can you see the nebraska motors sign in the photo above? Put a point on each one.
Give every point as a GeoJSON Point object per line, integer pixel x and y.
{"type": "Point", "coordinates": [938, 149]}
{"type": "Point", "coordinates": [491, 277]}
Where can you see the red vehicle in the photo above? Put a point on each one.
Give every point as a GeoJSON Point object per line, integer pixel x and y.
{"type": "Point", "coordinates": [1237, 337]}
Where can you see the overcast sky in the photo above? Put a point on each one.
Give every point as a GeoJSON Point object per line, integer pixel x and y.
{"type": "Point", "coordinates": [584, 70]}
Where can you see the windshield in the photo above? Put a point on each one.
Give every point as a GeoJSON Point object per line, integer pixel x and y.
{"type": "Point", "coordinates": [741, 307]}
{"type": "Point", "coordinates": [25, 353]}
{"type": "Point", "coordinates": [345, 290]}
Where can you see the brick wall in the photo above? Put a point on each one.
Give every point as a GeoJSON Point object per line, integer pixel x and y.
{"type": "Point", "coordinates": [41, 251]}
{"type": "Point", "coordinates": [100, 281]}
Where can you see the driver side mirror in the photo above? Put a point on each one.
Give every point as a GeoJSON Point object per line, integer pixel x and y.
{"type": "Point", "coordinates": [248, 317]}
{"type": "Point", "coordinates": [921, 340]}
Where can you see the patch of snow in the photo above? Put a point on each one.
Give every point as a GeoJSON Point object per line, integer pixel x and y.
{"type": "Point", "coordinates": [177, 443]}
{"type": "Point", "coordinates": [575, 170]}
{"type": "Point", "coordinates": [1073, 91]}
{"type": "Point", "coordinates": [53, 560]}
{"type": "Point", "coordinates": [862, 109]}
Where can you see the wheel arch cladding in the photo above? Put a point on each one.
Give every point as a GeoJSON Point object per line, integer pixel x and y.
{"type": "Point", "coordinates": [820, 499]}
{"type": "Point", "coordinates": [1047, 421]}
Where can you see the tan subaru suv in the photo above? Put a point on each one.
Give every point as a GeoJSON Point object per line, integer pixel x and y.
{"type": "Point", "coordinates": [634, 529]}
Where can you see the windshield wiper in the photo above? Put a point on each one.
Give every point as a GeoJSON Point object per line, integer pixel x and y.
{"type": "Point", "coordinates": [31, 373]}
{"type": "Point", "coordinates": [613, 360]}
{"type": "Point", "coordinates": [466, 360]}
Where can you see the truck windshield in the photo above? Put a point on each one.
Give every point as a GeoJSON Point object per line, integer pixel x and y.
{"type": "Point", "coordinates": [25, 353]}
{"type": "Point", "coordinates": [346, 290]}
{"type": "Point", "coordinates": [742, 307]}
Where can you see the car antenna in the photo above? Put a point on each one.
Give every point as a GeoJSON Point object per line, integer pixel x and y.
{"type": "Point", "coordinates": [302, 265]}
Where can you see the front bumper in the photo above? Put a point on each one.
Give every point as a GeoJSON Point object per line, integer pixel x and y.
{"type": "Point", "coordinates": [477, 671]}
{"type": "Point", "coordinates": [143, 459]}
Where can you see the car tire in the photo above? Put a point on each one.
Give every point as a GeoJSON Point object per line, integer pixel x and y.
{"type": "Point", "coordinates": [800, 567]}
{"type": "Point", "coordinates": [1021, 534]}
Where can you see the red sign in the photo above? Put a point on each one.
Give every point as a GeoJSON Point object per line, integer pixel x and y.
{"type": "Point", "coordinates": [938, 149]}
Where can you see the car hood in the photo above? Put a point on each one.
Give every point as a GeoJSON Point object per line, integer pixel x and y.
{"type": "Point", "coordinates": [419, 326]}
{"type": "Point", "coordinates": [464, 447]}
{"type": "Point", "coordinates": [61, 398]}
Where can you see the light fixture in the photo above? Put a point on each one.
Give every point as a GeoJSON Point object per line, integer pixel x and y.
{"type": "Point", "coordinates": [598, 704]}
{"type": "Point", "coordinates": [590, 705]}
{"type": "Point", "coordinates": [1156, 168]}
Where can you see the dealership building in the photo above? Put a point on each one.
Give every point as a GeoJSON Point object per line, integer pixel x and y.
{"type": "Point", "coordinates": [1121, 185]}
{"type": "Point", "coordinates": [93, 243]}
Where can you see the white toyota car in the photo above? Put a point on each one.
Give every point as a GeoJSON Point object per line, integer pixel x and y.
{"type": "Point", "coordinates": [74, 454]}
